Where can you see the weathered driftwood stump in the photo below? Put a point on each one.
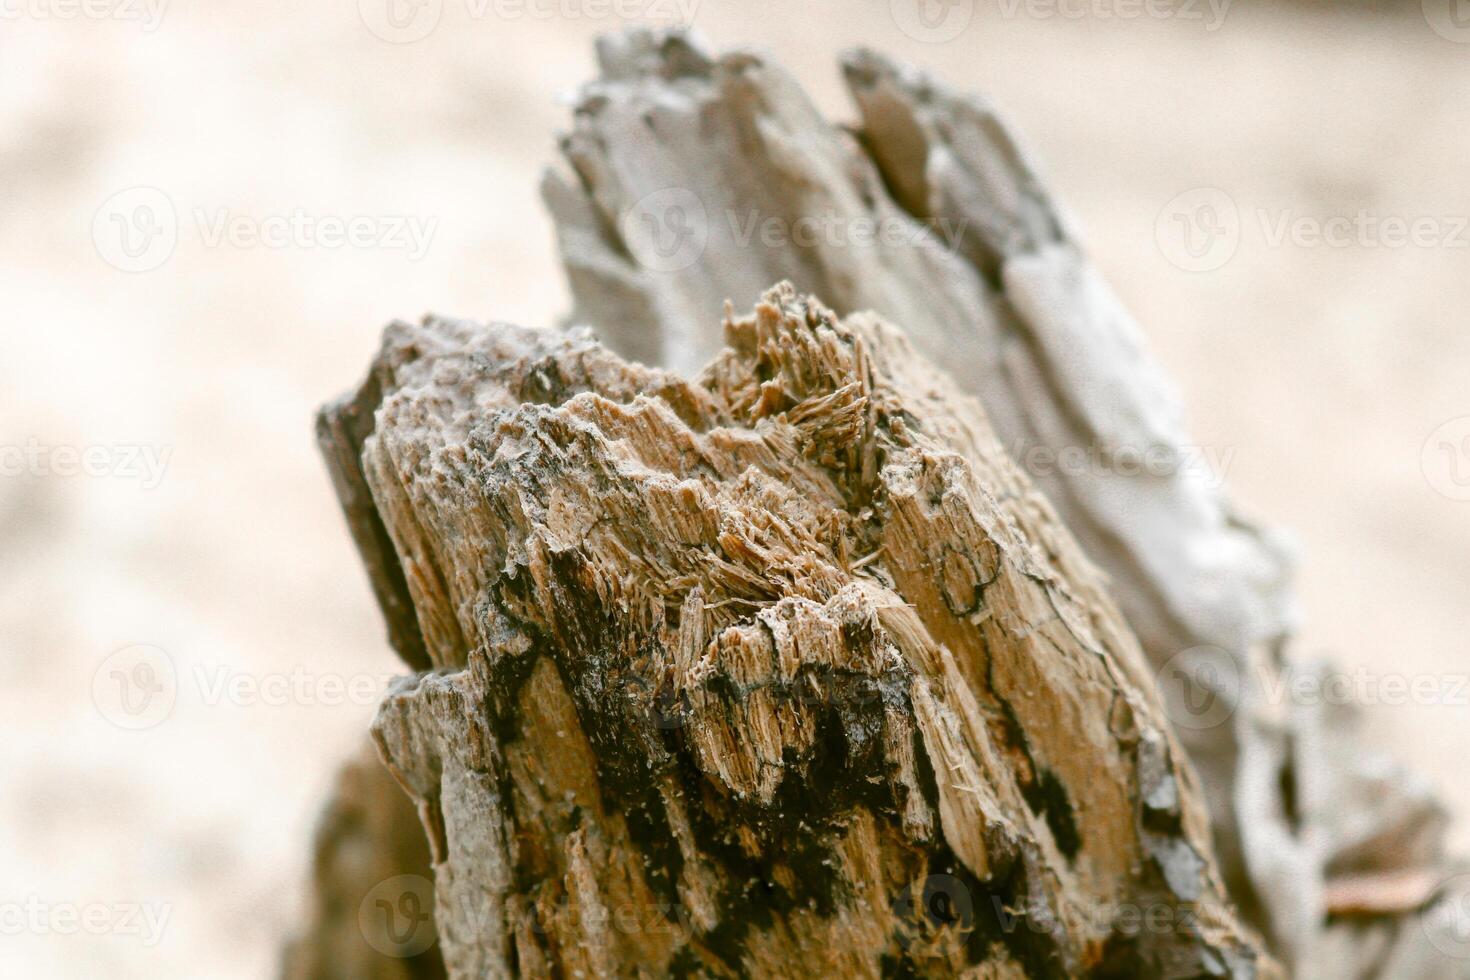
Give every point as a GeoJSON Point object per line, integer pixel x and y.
{"type": "Point", "coordinates": [987, 276]}
{"type": "Point", "coordinates": [784, 671]}
{"type": "Point", "coordinates": [781, 666]}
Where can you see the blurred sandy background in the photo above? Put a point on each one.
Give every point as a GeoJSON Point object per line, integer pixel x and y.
{"type": "Point", "coordinates": [1323, 370]}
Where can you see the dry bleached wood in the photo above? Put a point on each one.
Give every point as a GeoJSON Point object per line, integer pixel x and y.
{"type": "Point", "coordinates": [681, 159]}
{"type": "Point", "coordinates": [784, 671]}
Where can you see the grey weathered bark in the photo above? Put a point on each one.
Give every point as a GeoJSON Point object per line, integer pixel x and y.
{"type": "Point", "coordinates": [786, 671]}
{"type": "Point", "coordinates": [681, 160]}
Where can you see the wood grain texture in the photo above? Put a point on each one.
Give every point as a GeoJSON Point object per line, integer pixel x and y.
{"type": "Point", "coordinates": [965, 247]}
{"type": "Point", "coordinates": [785, 671]}
{"type": "Point", "coordinates": [791, 663]}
